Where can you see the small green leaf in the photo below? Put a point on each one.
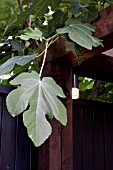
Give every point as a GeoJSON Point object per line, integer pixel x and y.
{"type": "Point", "coordinates": [75, 6]}
{"type": "Point", "coordinates": [30, 33]}
{"type": "Point", "coordinates": [70, 46]}
{"type": "Point", "coordinates": [41, 95]}
{"type": "Point", "coordinates": [80, 33]}
{"type": "Point", "coordinates": [20, 60]}
{"type": "Point", "coordinates": [17, 46]}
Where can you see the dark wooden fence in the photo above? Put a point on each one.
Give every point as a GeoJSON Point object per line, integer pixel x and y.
{"type": "Point", "coordinates": [92, 139]}
{"type": "Point", "coordinates": [93, 135]}
{"type": "Point", "coordinates": [14, 143]}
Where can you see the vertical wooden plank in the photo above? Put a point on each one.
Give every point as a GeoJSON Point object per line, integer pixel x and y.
{"type": "Point", "coordinates": [55, 146]}
{"type": "Point", "coordinates": [0, 119]}
{"type": "Point", "coordinates": [8, 140]}
{"type": "Point", "coordinates": [34, 157]}
{"type": "Point", "coordinates": [50, 152]}
{"type": "Point", "coordinates": [109, 138]}
{"type": "Point", "coordinates": [99, 153]}
{"type": "Point", "coordinates": [42, 157]}
{"type": "Point", "coordinates": [61, 139]}
{"type": "Point", "coordinates": [87, 138]}
{"type": "Point", "coordinates": [67, 142]}
{"type": "Point", "coordinates": [67, 132]}
{"type": "Point", "coordinates": [77, 138]}
{"type": "Point", "coordinates": [22, 160]}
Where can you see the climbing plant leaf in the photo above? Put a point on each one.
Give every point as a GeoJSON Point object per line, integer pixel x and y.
{"type": "Point", "coordinates": [37, 8]}
{"type": "Point", "coordinates": [8, 14]}
{"type": "Point", "coordinates": [17, 46]}
{"type": "Point", "coordinates": [30, 33]}
{"type": "Point", "coordinates": [81, 33]}
{"type": "Point", "coordinates": [19, 60]}
{"type": "Point", "coordinates": [41, 95]}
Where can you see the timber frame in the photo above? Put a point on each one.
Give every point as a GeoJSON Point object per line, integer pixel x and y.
{"type": "Point", "coordinates": [57, 151]}
{"type": "Point", "coordinates": [97, 63]}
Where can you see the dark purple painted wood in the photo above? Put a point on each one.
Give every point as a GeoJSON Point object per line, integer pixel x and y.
{"type": "Point", "coordinates": [0, 120]}
{"type": "Point", "coordinates": [109, 138]}
{"type": "Point", "coordinates": [87, 139]}
{"type": "Point", "coordinates": [15, 150]}
{"type": "Point", "coordinates": [93, 135]}
{"type": "Point", "coordinates": [99, 147]}
{"type": "Point", "coordinates": [5, 89]}
{"type": "Point", "coordinates": [77, 138]}
{"type": "Point", "coordinates": [22, 159]}
{"type": "Point", "coordinates": [8, 140]}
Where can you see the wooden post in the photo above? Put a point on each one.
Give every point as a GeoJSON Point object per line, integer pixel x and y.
{"type": "Point", "coordinates": [57, 152]}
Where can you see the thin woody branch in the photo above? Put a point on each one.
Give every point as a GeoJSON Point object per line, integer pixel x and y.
{"type": "Point", "coordinates": [27, 23]}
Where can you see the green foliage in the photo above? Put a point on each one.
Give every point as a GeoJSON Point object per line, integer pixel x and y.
{"type": "Point", "coordinates": [75, 48]}
{"type": "Point", "coordinates": [80, 33]}
{"type": "Point", "coordinates": [20, 60]}
{"type": "Point", "coordinates": [87, 85]}
{"type": "Point", "coordinates": [8, 14]}
{"type": "Point", "coordinates": [30, 33]}
{"type": "Point", "coordinates": [37, 8]}
{"type": "Point", "coordinates": [106, 92]}
{"type": "Point", "coordinates": [17, 46]}
{"type": "Point", "coordinates": [41, 95]}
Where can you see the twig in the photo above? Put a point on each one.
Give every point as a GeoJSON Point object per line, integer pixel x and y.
{"type": "Point", "coordinates": [49, 44]}
{"type": "Point", "coordinates": [36, 43]}
{"type": "Point", "coordinates": [27, 23]}
{"type": "Point", "coordinates": [45, 54]}
{"type": "Point", "coordinates": [20, 5]}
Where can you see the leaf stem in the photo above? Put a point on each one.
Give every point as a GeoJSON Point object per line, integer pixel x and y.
{"type": "Point", "coordinates": [49, 44]}
{"type": "Point", "coordinates": [45, 54]}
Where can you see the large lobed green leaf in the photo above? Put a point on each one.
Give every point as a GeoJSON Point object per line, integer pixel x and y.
{"type": "Point", "coordinates": [81, 33]}
{"type": "Point", "coordinates": [41, 95]}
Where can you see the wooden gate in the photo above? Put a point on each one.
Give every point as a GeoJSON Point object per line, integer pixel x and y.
{"type": "Point", "coordinates": [93, 135]}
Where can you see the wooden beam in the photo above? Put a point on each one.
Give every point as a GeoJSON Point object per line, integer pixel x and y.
{"type": "Point", "coordinates": [104, 23]}
{"type": "Point", "coordinates": [107, 44]}
{"type": "Point", "coordinates": [98, 67]}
